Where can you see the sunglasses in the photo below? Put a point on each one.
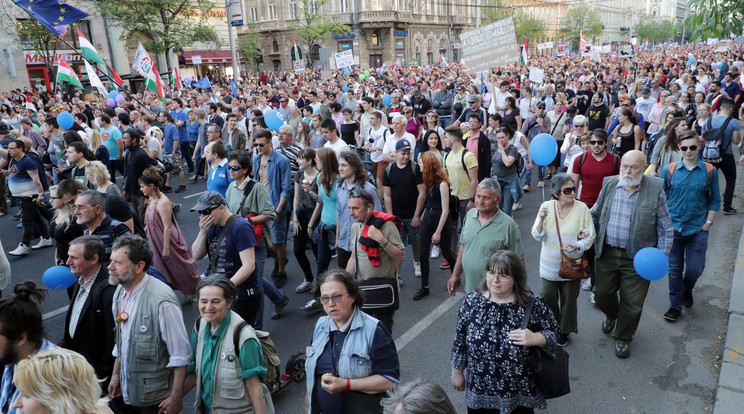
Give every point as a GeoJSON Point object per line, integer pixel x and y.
{"type": "Point", "coordinates": [596, 142]}
{"type": "Point", "coordinates": [235, 168]}
{"type": "Point", "coordinates": [569, 190]}
{"type": "Point", "coordinates": [579, 125]}
{"type": "Point", "coordinates": [208, 211]}
{"type": "Point", "coordinates": [260, 145]}
{"type": "Point", "coordinates": [624, 105]}
{"type": "Point", "coordinates": [691, 148]}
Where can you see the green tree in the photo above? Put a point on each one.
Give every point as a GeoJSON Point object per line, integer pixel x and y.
{"type": "Point", "coordinates": [313, 25]}
{"type": "Point", "coordinates": [494, 10]}
{"type": "Point", "coordinates": [161, 24]}
{"type": "Point", "coordinates": [578, 19]}
{"type": "Point", "coordinates": [249, 43]}
{"type": "Point", "coordinates": [656, 30]}
{"type": "Point", "coordinates": [529, 27]}
{"type": "Point", "coordinates": [714, 18]}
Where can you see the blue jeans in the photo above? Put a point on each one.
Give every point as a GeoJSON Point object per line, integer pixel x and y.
{"type": "Point", "coordinates": [445, 121]}
{"type": "Point", "coordinates": [510, 193]}
{"type": "Point", "coordinates": [267, 288]}
{"type": "Point", "coordinates": [688, 254]}
{"type": "Point", "coordinates": [528, 175]}
{"type": "Point", "coordinates": [325, 237]}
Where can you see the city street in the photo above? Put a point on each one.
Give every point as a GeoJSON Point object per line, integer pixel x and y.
{"type": "Point", "coordinates": [673, 367]}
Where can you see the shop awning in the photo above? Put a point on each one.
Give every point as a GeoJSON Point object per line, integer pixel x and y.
{"type": "Point", "coordinates": [208, 56]}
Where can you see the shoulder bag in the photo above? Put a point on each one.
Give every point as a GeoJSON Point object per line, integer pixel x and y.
{"type": "Point", "coordinates": [577, 268]}
{"type": "Point", "coordinates": [380, 294]}
{"type": "Point", "coordinates": [551, 374]}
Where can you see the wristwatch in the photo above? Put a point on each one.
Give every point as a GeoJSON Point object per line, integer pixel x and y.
{"type": "Point", "coordinates": [708, 222]}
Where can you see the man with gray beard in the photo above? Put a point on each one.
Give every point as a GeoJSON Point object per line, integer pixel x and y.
{"type": "Point", "coordinates": [630, 213]}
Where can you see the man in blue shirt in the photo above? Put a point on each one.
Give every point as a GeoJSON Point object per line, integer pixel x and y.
{"type": "Point", "coordinates": [180, 117]}
{"type": "Point", "coordinates": [692, 202]}
{"type": "Point", "coordinates": [171, 151]}
{"type": "Point", "coordinates": [111, 137]}
{"type": "Point", "coordinates": [731, 137]}
{"type": "Point", "coordinates": [274, 171]}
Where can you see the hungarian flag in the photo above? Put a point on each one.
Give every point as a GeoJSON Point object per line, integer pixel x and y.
{"type": "Point", "coordinates": [525, 56]}
{"type": "Point", "coordinates": [583, 44]}
{"type": "Point", "coordinates": [66, 74]}
{"type": "Point", "coordinates": [158, 84]}
{"type": "Point", "coordinates": [89, 52]}
{"type": "Point", "coordinates": [175, 79]}
{"type": "Point", "coordinates": [94, 80]}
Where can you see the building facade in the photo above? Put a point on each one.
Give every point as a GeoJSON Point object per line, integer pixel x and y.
{"type": "Point", "coordinates": [404, 31]}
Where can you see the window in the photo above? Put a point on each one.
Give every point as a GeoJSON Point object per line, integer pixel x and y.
{"type": "Point", "coordinates": [254, 14]}
{"type": "Point", "coordinates": [343, 6]}
{"type": "Point", "coordinates": [294, 52]}
{"type": "Point", "coordinates": [292, 10]}
{"type": "Point", "coordinates": [375, 40]}
{"type": "Point", "coordinates": [275, 46]}
{"type": "Point", "coordinates": [429, 8]}
{"type": "Point", "coordinates": [654, 12]}
{"type": "Point", "coordinates": [376, 4]}
{"type": "Point", "coordinates": [272, 9]}
{"type": "Point", "coordinates": [415, 6]}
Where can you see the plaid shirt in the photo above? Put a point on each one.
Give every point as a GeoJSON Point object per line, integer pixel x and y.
{"type": "Point", "coordinates": [8, 391]}
{"type": "Point", "coordinates": [623, 206]}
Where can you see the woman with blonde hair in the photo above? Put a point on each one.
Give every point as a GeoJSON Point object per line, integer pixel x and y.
{"type": "Point", "coordinates": [58, 381]}
{"type": "Point", "coordinates": [98, 175]}
{"type": "Point", "coordinates": [63, 227]}
{"type": "Point", "coordinates": [96, 145]}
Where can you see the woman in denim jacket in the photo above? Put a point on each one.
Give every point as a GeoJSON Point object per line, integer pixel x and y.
{"type": "Point", "coordinates": [352, 359]}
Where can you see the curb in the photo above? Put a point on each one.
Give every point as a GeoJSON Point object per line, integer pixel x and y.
{"type": "Point", "coordinates": [730, 392]}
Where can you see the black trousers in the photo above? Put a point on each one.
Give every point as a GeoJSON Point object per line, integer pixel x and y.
{"type": "Point", "coordinates": [248, 308]}
{"type": "Point", "coordinates": [300, 242]}
{"type": "Point", "coordinates": [31, 220]}
{"type": "Point", "coordinates": [386, 318]}
{"type": "Point", "coordinates": [343, 258]}
{"type": "Point", "coordinates": [728, 167]}
{"type": "Point", "coordinates": [518, 410]}
{"type": "Point", "coordinates": [428, 226]}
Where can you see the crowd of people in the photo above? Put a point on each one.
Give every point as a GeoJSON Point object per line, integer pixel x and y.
{"type": "Point", "coordinates": [359, 166]}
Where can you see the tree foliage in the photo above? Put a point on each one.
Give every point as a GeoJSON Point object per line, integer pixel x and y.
{"type": "Point", "coordinates": [580, 19]}
{"type": "Point", "coordinates": [714, 18]}
{"type": "Point", "coordinates": [655, 29]}
{"type": "Point", "coordinates": [161, 24]}
{"type": "Point", "coordinates": [525, 25]}
{"type": "Point", "coordinates": [313, 25]}
{"type": "Point", "coordinates": [249, 43]}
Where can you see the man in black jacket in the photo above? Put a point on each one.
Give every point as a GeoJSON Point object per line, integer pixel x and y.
{"type": "Point", "coordinates": [135, 163]}
{"type": "Point", "coordinates": [89, 324]}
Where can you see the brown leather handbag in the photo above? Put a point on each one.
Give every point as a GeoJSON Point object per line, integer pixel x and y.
{"type": "Point", "coordinates": [571, 268]}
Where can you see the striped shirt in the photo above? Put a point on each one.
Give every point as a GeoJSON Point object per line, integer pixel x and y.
{"type": "Point", "coordinates": [291, 152]}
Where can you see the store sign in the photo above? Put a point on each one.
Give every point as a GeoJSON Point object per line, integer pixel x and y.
{"type": "Point", "coordinates": [399, 33]}
{"type": "Point", "coordinates": [37, 59]}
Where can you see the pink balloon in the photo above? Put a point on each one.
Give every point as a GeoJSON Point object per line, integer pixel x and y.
{"type": "Point", "coordinates": [61, 29]}
{"type": "Point", "coordinates": [110, 103]}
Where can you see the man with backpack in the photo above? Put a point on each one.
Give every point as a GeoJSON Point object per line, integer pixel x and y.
{"type": "Point", "coordinates": [693, 198]}
{"type": "Point", "coordinates": [720, 133]}
{"type": "Point", "coordinates": [589, 172]}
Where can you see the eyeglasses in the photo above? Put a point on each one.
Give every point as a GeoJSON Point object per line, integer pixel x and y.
{"type": "Point", "coordinates": [235, 168]}
{"type": "Point", "coordinates": [359, 194]}
{"type": "Point", "coordinates": [691, 148]}
{"type": "Point", "coordinates": [579, 125]}
{"type": "Point", "coordinates": [624, 105]}
{"type": "Point", "coordinates": [569, 190]}
{"type": "Point", "coordinates": [596, 142]}
{"type": "Point", "coordinates": [77, 207]}
{"type": "Point", "coordinates": [208, 211]}
{"type": "Point", "coordinates": [501, 129]}
{"type": "Point", "coordinates": [430, 116]}
{"type": "Point", "coordinates": [260, 145]}
{"type": "Point", "coordinates": [501, 277]}
{"type": "Point", "coordinates": [326, 300]}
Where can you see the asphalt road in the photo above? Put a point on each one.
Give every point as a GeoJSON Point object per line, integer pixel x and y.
{"type": "Point", "coordinates": [673, 368]}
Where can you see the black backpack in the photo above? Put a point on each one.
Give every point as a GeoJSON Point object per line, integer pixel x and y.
{"type": "Point", "coordinates": [615, 163]}
{"type": "Point", "coordinates": [712, 138]}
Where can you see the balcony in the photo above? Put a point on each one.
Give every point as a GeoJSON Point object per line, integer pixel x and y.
{"type": "Point", "coordinates": [344, 18]}
{"type": "Point", "coordinates": [270, 26]}
{"type": "Point", "coordinates": [460, 20]}
{"type": "Point", "coordinates": [384, 17]}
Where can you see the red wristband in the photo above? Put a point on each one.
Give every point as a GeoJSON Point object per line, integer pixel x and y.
{"type": "Point", "coordinates": [348, 384]}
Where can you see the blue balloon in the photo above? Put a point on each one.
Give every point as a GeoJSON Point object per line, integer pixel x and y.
{"type": "Point", "coordinates": [387, 99]}
{"type": "Point", "coordinates": [345, 88]}
{"type": "Point", "coordinates": [113, 94]}
{"type": "Point", "coordinates": [651, 263]}
{"type": "Point", "coordinates": [58, 277]}
{"type": "Point", "coordinates": [273, 119]}
{"type": "Point", "coordinates": [543, 149]}
{"type": "Point", "coordinates": [65, 120]}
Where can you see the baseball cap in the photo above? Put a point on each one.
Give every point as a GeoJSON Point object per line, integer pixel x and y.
{"type": "Point", "coordinates": [646, 90]}
{"type": "Point", "coordinates": [403, 145]}
{"type": "Point", "coordinates": [208, 199]}
{"type": "Point", "coordinates": [472, 99]}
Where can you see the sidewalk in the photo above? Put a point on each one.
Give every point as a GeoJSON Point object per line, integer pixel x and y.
{"type": "Point", "coordinates": [730, 394]}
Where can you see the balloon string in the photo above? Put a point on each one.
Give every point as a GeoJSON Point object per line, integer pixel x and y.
{"type": "Point", "coordinates": [543, 193]}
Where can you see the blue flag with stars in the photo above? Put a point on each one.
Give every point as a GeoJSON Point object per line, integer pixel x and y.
{"type": "Point", "coordinates": [51, 13]}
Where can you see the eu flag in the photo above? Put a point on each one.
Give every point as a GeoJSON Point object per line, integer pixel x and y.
{"type": "Point", "coordinates": [203, 83]}
{"type": "Point", "coordinates": [51, 13]}
{"type": "Point", "coordinates": [234, 89]}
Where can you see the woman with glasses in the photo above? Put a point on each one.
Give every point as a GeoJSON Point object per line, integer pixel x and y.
{"type": "Point", "coordinates": [627, 135]}
{"type": "Point", "coordinates": [171, 255]}
{"type": "Point", "coordinates": [352, 360]}
{"type": "Point", "coordinates": [574, 221]}
{"type": "Point", "coordinates": [63, 227]}
{"type": "Point", "coordinates": [492, 347]}
{"type": "Point", "coordinates": [571, 144]}
{"type": "Point", "coordinates": [414, 126]}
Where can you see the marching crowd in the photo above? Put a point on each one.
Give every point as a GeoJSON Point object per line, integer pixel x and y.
{"type": "Point", "coordinates": [354, 167]}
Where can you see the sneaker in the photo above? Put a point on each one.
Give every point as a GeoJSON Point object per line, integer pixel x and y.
{"type": "Point", "coordinates": [540, 184]}
{"type": "Point", "coordinates": [17, 216]}
{"type": "Point", "coordinates": [591, 298]}
{"type": "Point", "coordinates": [181, 189]}
{"type": "Point", "coordinates": [400, 280]}
{"type": "Point", "coordinates": [312, 305]}
{"type": "Point", "coordinates": [435, 252]}
{"type": "Point", "coordinates": [334, 254]}
{"type": "Point", "coordinates": [586, 284]}
{"type": "Point", "coordinates": [421, 293]}
{"type": "Point", "coordinates": [190, 171]}
{"type": "Point", "coordinates": [166, 189]}
{"type": "Point", "coordinates": [2, 213]}
{"type": "Point", "coordinates": [526, 188]}
{"type": "Point", "coordinates": [304, 286]}
{"type": "Point", "coordinates": [21, 250]}
{"type": "Point", "coordinates": [417, 269]}
{"type": "Point", "coordinates": [672, 314]}
{"type": "Point", "coordinates": [562, 340]}
{"type": "Point", "coordinates": [19, 225]}
{"type": "Point", "coordinates": [688, 299]}
{"type": "Point", "coordinates": [729, 211]}
{"type": "Point", "coordinates": [193, 178]}
{"type": "Point", "coordinates": [622, 349]}
{"type": "Point", "coordinates": [445, 265]}
{"type": "Point", "coordinates": [203, 276]}
{"type": "Point", "coordinates": [280, 279]}
{"type": "Point", "coordinates": [517, 206]}
{"type": "Point", "coordinates": [279, 307]}
{"type": "Point", "coordinates": [43, 243]}
{"type": "Point", "coordinates": [608, 325]}
{"type": "Point", "coordinates": [548, 176]}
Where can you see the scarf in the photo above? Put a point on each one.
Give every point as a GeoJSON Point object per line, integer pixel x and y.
{"type": "Point", "coordinates": [377, 219]}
